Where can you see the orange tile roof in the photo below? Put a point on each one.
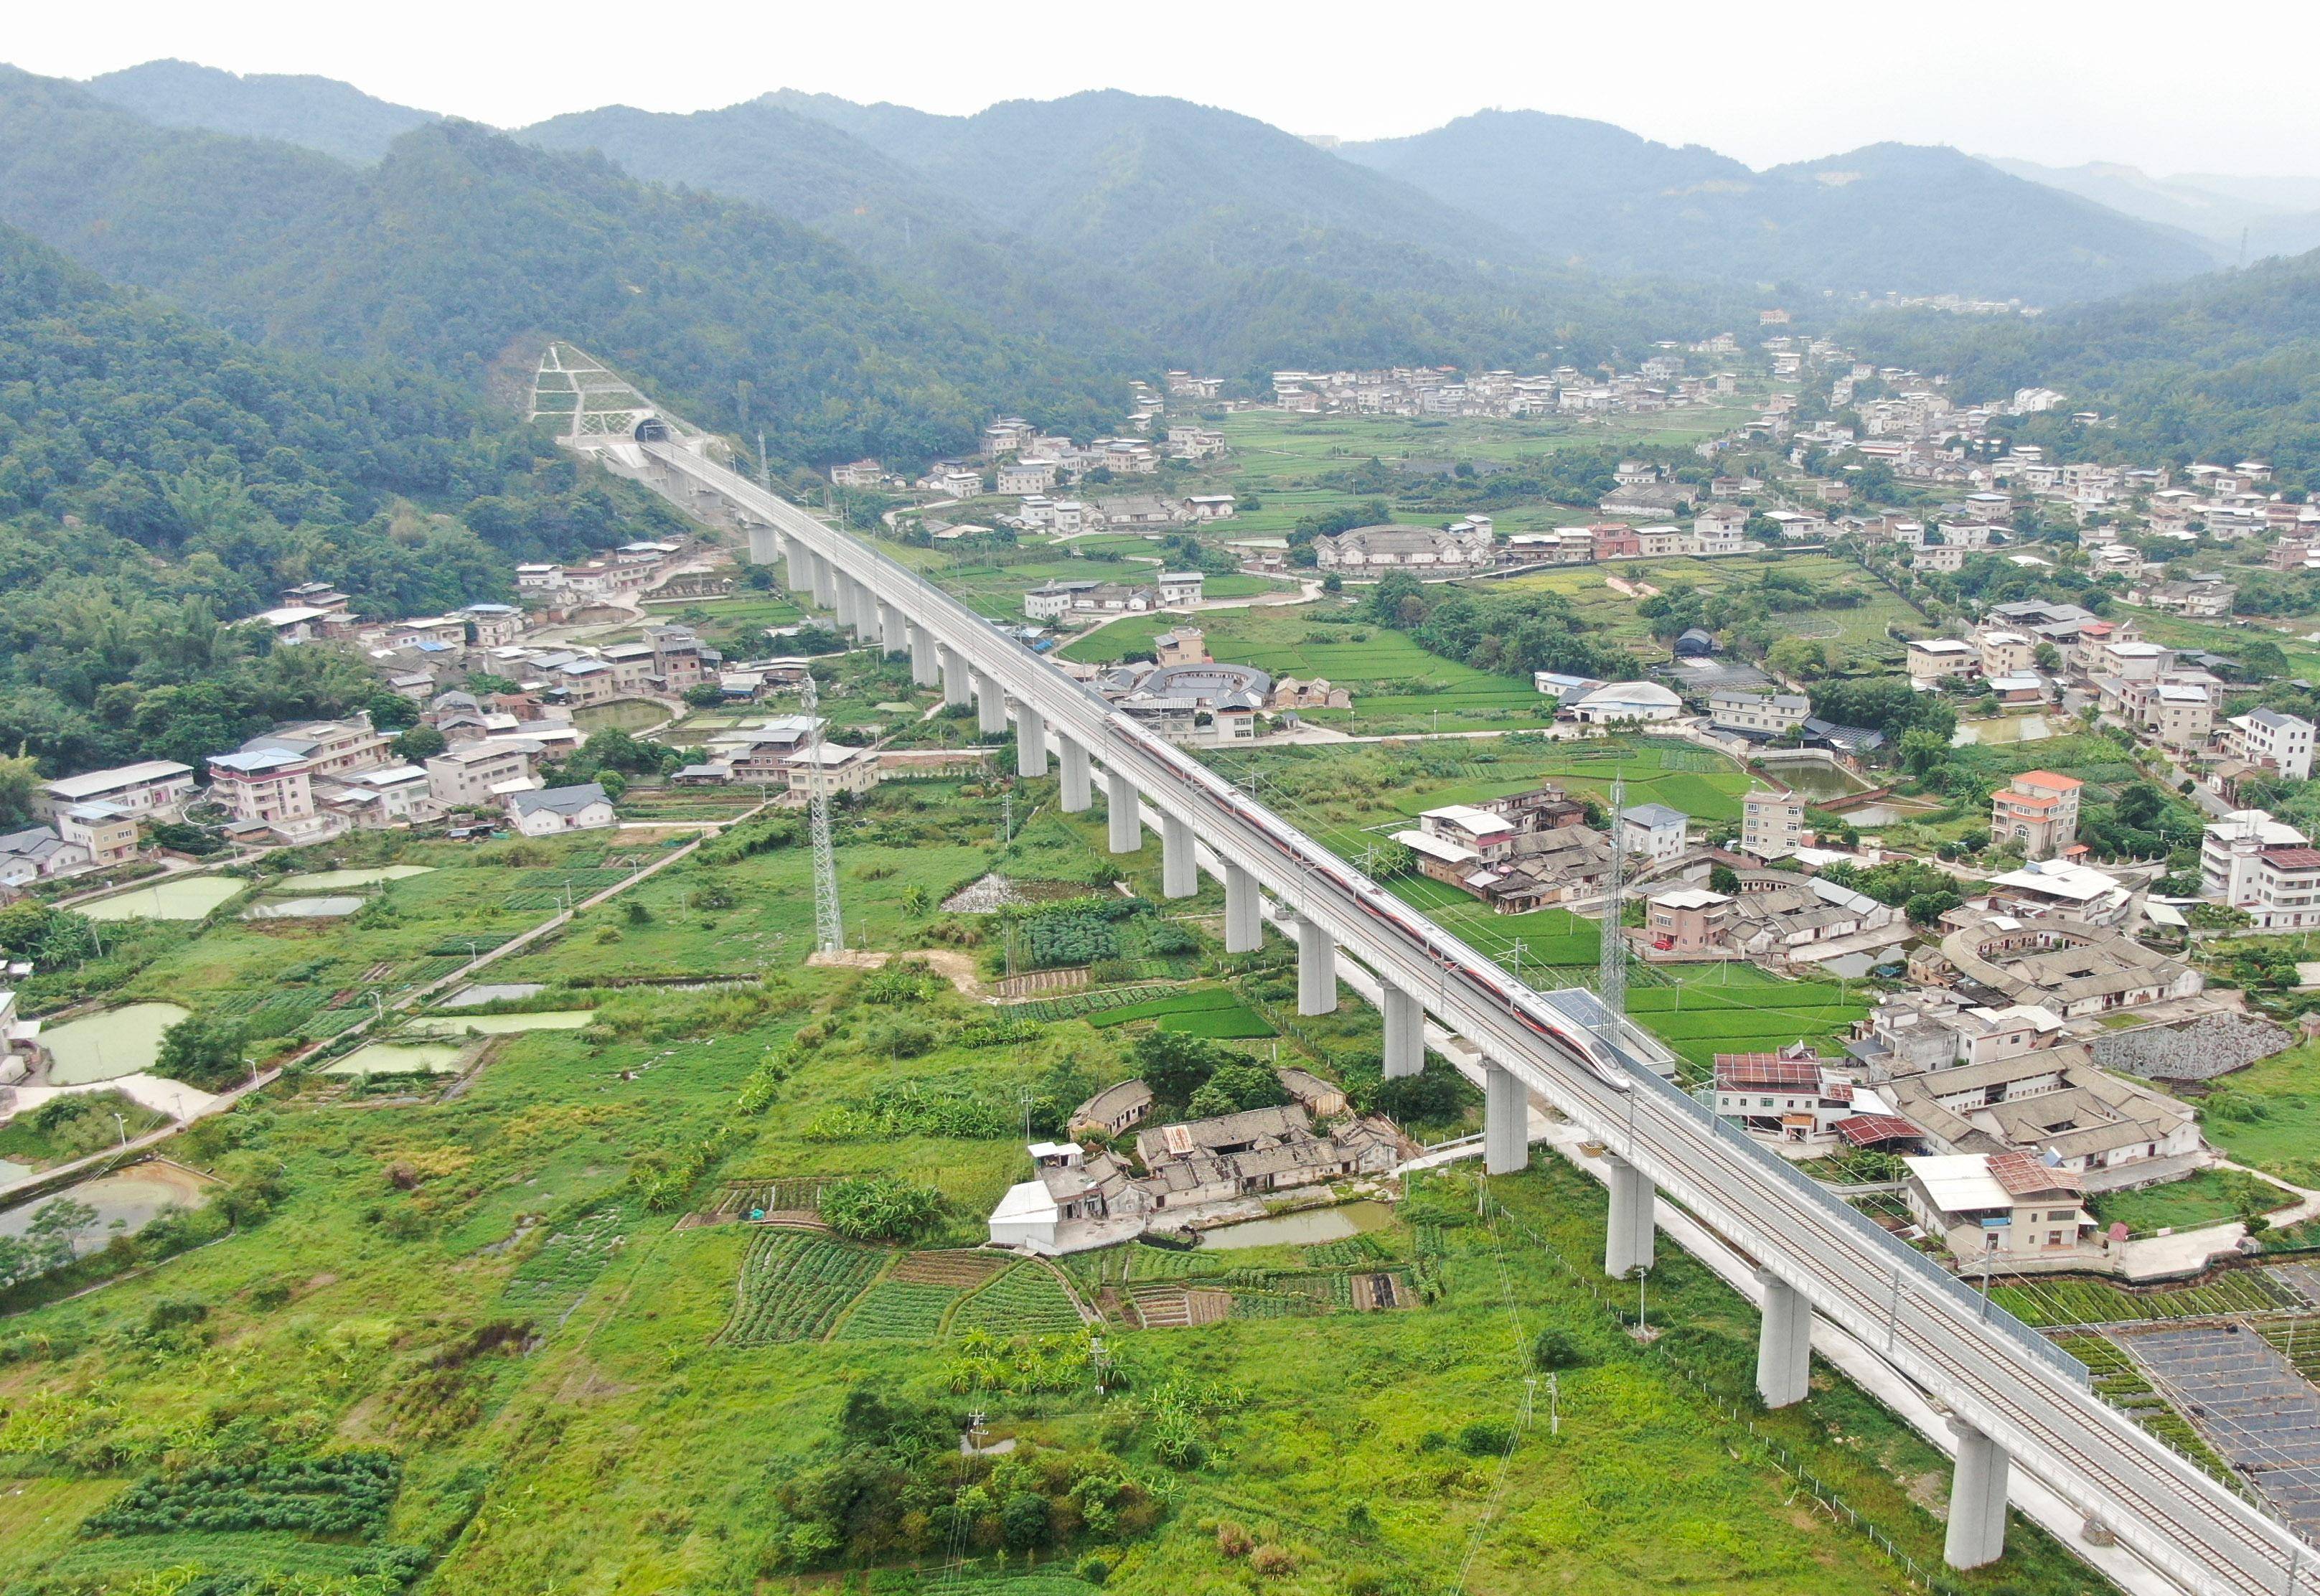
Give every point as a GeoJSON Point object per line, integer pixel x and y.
{"type": "Point", "coordinates": [2047, 778]}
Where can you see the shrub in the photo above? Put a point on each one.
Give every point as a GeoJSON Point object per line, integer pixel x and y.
{"type": "Point", "coordinates": [1272, 1562]}
{"type": "Point", "coordinates": [1234, 1540]}
{"type": "Point", "coordinates": [1484, 1437]}
{"type": "Point", "coordinates": [1556, 1350]}
{"type": "Point", "coordinates": [881, 1207]}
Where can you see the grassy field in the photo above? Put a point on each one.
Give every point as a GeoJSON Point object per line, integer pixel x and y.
{"type": "Point", "coordinates": [2205, 1198]}
{"type": "Point", "coordinates": [493, 1285]}
{"type": "Point", "coordinates": [1397, 685]}
{"type": "Point", "coordinates": [2218, 638]}
{"type": "Point", "coordinates": [2268, 1115]}
{"type": "Point", "coordinates": [1274, 450]}
{"type": "Point", "coordinates": [1857, 636]}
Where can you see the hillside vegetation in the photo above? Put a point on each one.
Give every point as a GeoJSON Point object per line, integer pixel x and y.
{"type": "Point", "coordinates": [159, 478]}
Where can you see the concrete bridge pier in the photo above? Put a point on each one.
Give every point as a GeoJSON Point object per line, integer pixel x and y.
{"type": "Point", "coordinates": [1030, 741]}
{"type": "Point", "coordinates": [844, 599]}
{"type": "Point", "coordinates": [1120, 801]}
{"type": "Point", "coordinates": [958, 681]}
{"type": "Point", "coordinates": [1784, 1344]}
{"type": "Point", "coordinates": [1629, 1245]}
{"type": "Point", "coordinates": [1506, 1120]}
{"type": "Point", "coordinates": [799, 562]}
{"type": "Point", "coordinates": [894, 631]}
{"type": "Point", "coordinates": [821, 580]}
{"type": "Point", "coordinates": [1316, 969]}
{"type": "Point", "coordinates": [1405, 1034]}
{"type": "Point", "coordinates": [1977, 1531]}
{"type": "Point", "coordinates": [764, 545]}
{"type": "Point", "coordinates": [865, 612]}
{"type": "Point", "coordinates": [926, 661]}
{"type": "Point", "coordinates": [990, 705]}
{"type": "Point", "coordinates": [1243, 910]}
{"type": "Point", "coordinates": [1180, 869]}
{"type": "Point", "coordinates": [1078, 796]}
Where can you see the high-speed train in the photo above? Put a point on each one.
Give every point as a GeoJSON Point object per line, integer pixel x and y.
{"type": "Point", "coordinates": [1311, 858]}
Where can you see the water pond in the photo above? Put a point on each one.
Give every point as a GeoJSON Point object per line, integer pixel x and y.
{"type": "Point", "coordinates": [1816, 781]}
{"type": "Point", "coordinates": [475, 997]}
{"type": "Point", "coordinates": [1305, 1227]}
{"type": "Point", "coordinates": [494, 1025]}
{"type": "Point", "coordinates": [106, 1045]}
{"type": "Point", "coordinates": [304, 908]}
{"type": "Point", "coordinates": [128, 1199]}
{"type": "Point", "coordinates": [182, 897]}
{"type": "Point", "coordinates": [332, 881]}
{"type": "Point", "coordinates": [390, 1058]}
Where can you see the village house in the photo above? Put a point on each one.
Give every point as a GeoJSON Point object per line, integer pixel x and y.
{"type": "Point", "coordinates": [1772, 823]}
{"type": "Point", "coordinates": [36, 853]}
{"type": "Point", "coordinates": [2072, 967]}
{"type": "Point", "coordinates": [2270, 741]}
{"type": "Point", "coordinates": [2000, 1211]}
{"type": "Point", "coordinates": [1424, 551]}
{"type": "Point", "coordinates": [270, 789]}
{"type": "Point", "coordinates": [479, 773]}
{"type": "Point", "coordinates": [1781, 913]}
{"type": "Point", "coordinates": [151, 789]}
{"type": "Point", "coordinates": [549, 811]}
{"type": "Point", "coordinates": [1760, 717]}
{"type": "Point", "coordinates": [1936, 659]}
{"type": "Point", "coordinates": [1655, 830]}
{"type": "Point", "coordinates": [2265, 868]}
{"type": "Point", "coordinates": [1688, 921]}
{"type": "Point", "coordinates": [2038, 809]}
{"type": "Point", "coordinates": [1799, 1100]}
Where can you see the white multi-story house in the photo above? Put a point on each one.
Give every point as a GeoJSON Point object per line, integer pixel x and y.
{"type": "Point", "coordinates": [2279, 743]}
{"type": "Point", "coordinates": [1934, 659]}
{"type": "Point", "coordinates": [475, 774]}
{"type": "Point", "coordinates": [1757, 714]}
{"type": "Point", "coordinates": [2263, 867]}
{"type": "Point", "coordinates": [154, 789]}
{"type": "Point", "coordinates": [1771, 824]}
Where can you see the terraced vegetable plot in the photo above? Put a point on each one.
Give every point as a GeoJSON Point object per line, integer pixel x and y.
{"type": "Point", "coordinates": [1026, 1300]}
{"type": "Point", "coordinates": [2094, 1301]}
{"type": "Point", "coordinates": [1209, 1011]}
{"type": "Point", "coordinates": [553, 1280]}
{"type": "Point", "coordinates": [898, 1310]}
{"type": "Point", "coordinates": [961, 1271]}
{"type": "Point", "coordinates": [793, 1286]}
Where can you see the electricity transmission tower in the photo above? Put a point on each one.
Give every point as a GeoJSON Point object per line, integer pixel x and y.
{"type": "Point", "coordinates": [1611, 977]}
{"type": "Point", "coordinates": [829, 925]}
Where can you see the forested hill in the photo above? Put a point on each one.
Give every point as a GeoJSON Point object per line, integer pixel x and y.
{"type": "Point", "coordinates": [320, 112]}
{"type": "Point", "coordinates": [159, 478]}
{"type": "Point", "coordinates": [2225, 367]}
{"type": "Point", "coordinates": [1888, 217]}
{"type": "Point", "coordinates": [463, 249]}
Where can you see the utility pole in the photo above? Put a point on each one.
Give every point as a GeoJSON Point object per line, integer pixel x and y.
{"type": "Point", "coordinates": [1611, 969]}
{"type": "Point", "coordinates": [828, 924]}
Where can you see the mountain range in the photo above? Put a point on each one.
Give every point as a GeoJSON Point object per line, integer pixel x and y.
{"type": "Point", "coordinates": [1117, 180]}
{"type": "Point", "coordinates": [2238, 219]}
{"type": "Point", "coordinates": [870, 278]}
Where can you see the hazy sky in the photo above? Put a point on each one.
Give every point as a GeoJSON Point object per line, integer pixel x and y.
{"type": "Point", "coordinates": [2062, 82]}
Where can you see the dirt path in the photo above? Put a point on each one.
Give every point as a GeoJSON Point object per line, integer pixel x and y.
{"type": "Point", "coordinates": [953, 966]}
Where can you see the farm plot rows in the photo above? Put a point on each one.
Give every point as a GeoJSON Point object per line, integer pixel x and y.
{"type": "Point", "coordinates": [898, 1310]}
{"type": "Point", "coordinates": [1026, 1300]}
{"type": "Point", "coordinates": [2094, 1301]}
{"type": "Point", "coordinates": [552, 1281]}
{"type": "Point", "coordinates": [794, 1285]}
{"type": "Point", "coordinates": [1210, 1012]}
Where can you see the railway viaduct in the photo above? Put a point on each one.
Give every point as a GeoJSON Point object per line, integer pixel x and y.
{"type": "Point", "coordinates": [2014, 1400]}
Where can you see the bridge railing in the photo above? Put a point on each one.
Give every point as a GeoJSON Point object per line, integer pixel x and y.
{"type": "Point", "coordinates": [1908, 1264]}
